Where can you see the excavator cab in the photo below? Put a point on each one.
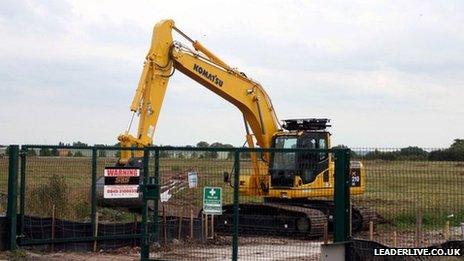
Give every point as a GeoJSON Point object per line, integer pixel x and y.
{"type": "Point", "coordinates": [300, 134]}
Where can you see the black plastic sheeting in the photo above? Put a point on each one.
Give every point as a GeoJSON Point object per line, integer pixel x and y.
{"type": "Point", "coordinates": [41, 228]}
{"type": "Point", "coordinates": [364, 250]}
{"type": "Point", "coordinates": [3, 232]}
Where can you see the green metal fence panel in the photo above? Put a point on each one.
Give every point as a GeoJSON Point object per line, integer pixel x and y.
{"type": "Point", "coordinates": [12, 195]}
{"type": "Point", "coordinates": [61, 191]}
{"type": "Point", "coordinates": [145, 243]}
{"type": "Point", "coordinates": [236, 205]}
{"type": "Point", "coordinates": [22, 188]}
{"type": "Point", "coordinates": [342, 195]}
{"type": "Point", "coordinates": [412, 198]}
{"type": "Point", "coordinates": [416, 196]}
{"type": "Point", "coordinates": [93, 197]}
{"type": "Point", "coordinates": [156, 202]}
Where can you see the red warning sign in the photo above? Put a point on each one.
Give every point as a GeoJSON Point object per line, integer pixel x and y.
{"type": "Point", "coordinates": [121, 182]}
{"type": "Point", "coordinates": [113, 172]}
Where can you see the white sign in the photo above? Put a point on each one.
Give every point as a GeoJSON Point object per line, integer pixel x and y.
{"type": "Point", "coordinates": [121, 191]}
{"type": "Point", "coordinates": [192, 179]}
{"type": "Point", "coordinates": [121, 182]}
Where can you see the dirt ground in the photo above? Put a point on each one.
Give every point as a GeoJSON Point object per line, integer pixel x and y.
{"type": "Point", "coordinates": [250, 249]}
{"type": "Point", "coordinates": [27, 255]}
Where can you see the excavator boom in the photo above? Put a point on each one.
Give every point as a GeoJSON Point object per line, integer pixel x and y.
{"type": "Point", "coordinates": [204, 67]}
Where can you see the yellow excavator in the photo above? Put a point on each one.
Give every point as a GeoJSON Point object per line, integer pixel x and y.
{"type": "Point", "coordinates": [295, 187]}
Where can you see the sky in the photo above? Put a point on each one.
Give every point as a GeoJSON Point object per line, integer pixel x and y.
{"type": "Point", "coordinates": [387, 73]}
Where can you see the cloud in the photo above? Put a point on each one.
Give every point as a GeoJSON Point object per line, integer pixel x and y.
{"type": "Point", "coordinates": [387, 73]}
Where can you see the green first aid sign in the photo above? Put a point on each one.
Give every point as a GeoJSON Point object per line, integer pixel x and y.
{"type": "Point", "coordinates": [212, 200]}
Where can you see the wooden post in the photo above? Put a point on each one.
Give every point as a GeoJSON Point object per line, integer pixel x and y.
{"type": "Point", "coordinates": [96, 233]}
{"type": "Point", "coordinates": [134, 229]}
{"type": "Point", "coordinates": [446, 231]}
{"type": "Point", "coordinates": [212, 226]}
{"type": "Point", "coordinates": [326, 232]}
{"type": "Point", "coordinates": [418, 228]}
{"type": "Point", "coordinates": [191, 223]}
{"type": "Point", "coordinates": [180, 228]}
{"type": "Point", "coordinates": [371, 230]}
{"type": "Point", "coordinates": [206, 226]}
{"type": "Point", "coordinates": [462, 231]}
{"type": "Point", "coordinates": [202, 226]}
{"type": "Point", "coordinates": [395, 242]}
{"type": "Point", "coordinates": [53, 227]}
{"type": "Point", "coordinates": [165, 228]}
{"type": "Point", "coordinates": [192, 196]}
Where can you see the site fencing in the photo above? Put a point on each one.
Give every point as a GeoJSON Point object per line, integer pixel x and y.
{"type": "Point", "coordinates": [417, 195]}
{"type": "Point", "coordinates": [411, 200]}
{"type": "Point", "coordinates": [3, 182]}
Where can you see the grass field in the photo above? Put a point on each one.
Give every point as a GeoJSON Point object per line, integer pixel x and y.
{"type": "Point", "coordinates": [397, 190]}
{"type": "Point", "coordinates": [401, 190]}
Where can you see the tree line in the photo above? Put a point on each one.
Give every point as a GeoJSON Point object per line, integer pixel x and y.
{"type": "Point", "coordinates": [454, 153]}
{"type": "Point", "coordinates": [50, 152]}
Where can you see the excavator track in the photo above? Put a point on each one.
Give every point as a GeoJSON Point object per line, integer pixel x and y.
{"type": "Point", "coordinates": [361, 216]}
{"type": "Point", "coordinates": [273, 219]}
{"type": "Point", "coordinates": [301, 218]}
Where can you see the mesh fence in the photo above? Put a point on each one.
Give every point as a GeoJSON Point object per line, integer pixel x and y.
{"type": "Point", "coordinates": [417, 196]}
{"type": "Point", "coordinates": [58, 186]}
{"type": "Point", "coordinates": [185, 232]}
{"type": "Point", "coordinates": [3, 183]}
{"type": "Point", "coordinates": [284, 225]}
{"type": "Point", "coordinates": [56, 201]}
{"type": "Point", "coordinates": [400, 198]}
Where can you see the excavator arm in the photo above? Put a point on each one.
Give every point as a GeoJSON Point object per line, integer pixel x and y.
{"type": "Point", "coordinates": [164, 57]}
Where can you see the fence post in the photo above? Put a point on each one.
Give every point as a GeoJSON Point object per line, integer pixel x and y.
{"type": "Point", "coordinates": [22, 187]}
{"type": "Point", "coordinates": [12, 195]}
{"type": "Point", "coordinates": [94, 192]}
{"type": "Point", "coordinates": [236, 203]}
{"type": "Point", "coordinates": [155, 202]}
{"type": "Point", "coordinates": [342, 195]}
{"type": "Point", "coordinates": [144, 246]}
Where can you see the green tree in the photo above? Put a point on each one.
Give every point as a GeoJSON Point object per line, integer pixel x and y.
{"type": "Point", "coordinates": [454, 153]}
{"type": "Point", "coordinates": [341, 146]}
{"type": "Point", "coordinates": [78, 154]}
{"type": "Point", "coordinates": [45, 152]}
{"type": "Point", "coordinates": [382, 155]}
{"type": "Point", "coordinates": [80, 144]}
{"type": "Point", "coordinates": [203, 144]}
{"type": "Point", "coordinates": [214, 154]}
{"type": "Point", "coordinates": [413, 153]}
{"type": "Point", "coordinates": [458, 145]}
